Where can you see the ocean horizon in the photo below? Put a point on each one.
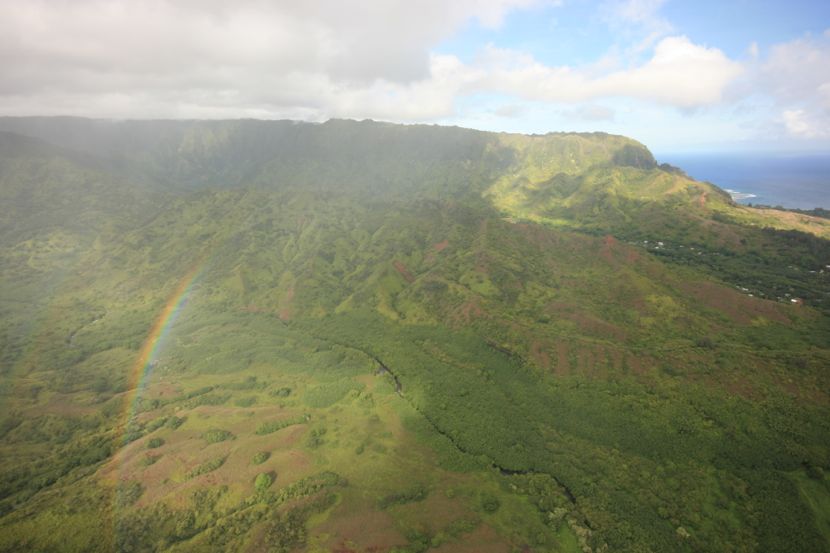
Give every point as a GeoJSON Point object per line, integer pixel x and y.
{"type": "Point", "coordinates": [795, 181]}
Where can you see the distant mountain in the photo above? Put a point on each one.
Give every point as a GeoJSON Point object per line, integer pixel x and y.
{"type": "Point", "coordinates": [360, 336]}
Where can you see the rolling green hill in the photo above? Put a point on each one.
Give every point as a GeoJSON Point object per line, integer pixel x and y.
{"type": "Point", "coordinates": [358, 336]}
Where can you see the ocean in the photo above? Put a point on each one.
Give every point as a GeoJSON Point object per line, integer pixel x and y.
{"type": "Point", "coordinates": [799, 181]}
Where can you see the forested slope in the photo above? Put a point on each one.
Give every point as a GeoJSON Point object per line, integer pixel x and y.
{"type": "Point", "coordinates": [356, 336]}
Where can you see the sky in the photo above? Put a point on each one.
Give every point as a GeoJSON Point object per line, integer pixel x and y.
{"type": "Point", "coordinates": [678, 75]}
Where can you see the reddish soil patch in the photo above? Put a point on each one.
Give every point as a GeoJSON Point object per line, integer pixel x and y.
{"type": "Point", "coordinates": [563, 365]}
{"type": "Point", "coordinates": [558, 307]}
{"type": "Point", "coordinates": [361, 531]}
{"type": "Point", "coordinates": [616, 358]}
{"type": "Point", "coordinates": [585, 361]}
{"type": "Point", "coordinates": [597, 327]}
{"type": "Point", "coordinates": [64, 406]}
{"type": "Point", "coordinates": [441, 246]}
{"type": "Point", "coordinates": [436, 511]}
{"type": "Point", "coordinates": [539, 354]}
{"type": "Point", "coordinates": [286, 311]}
{"type": "Point", "coordinates": [481, 540]}
{"type": "Point", "coordinates": [810, 390]}
{"type": "Point", "coordinates": [638, 365]}
{"type": "Point", "coordinates": [735, 305]}
{"type": "Point", "coordinates": [616, 253]}
{"type": "Point", "coordinates": [609, 243]}
{"type": "Point", "coordinates": [163, 389]}
{"type": "Point", "coordinates": [467, 312]}
{"type": "Point", "coordinates": [741, 387]}
{"type": "Point", "coordinates": [401, 268]}
{"type": "Point", "coordinates": [541, 237]}
{"type": "Point", "coordinates": [587, 323]}
{"type": "Point", "coordinates": [154, 478]}
{"type": "Point", "coordinates": [702, 200]}
{"type": "Point", "coordinates": [721, 234]}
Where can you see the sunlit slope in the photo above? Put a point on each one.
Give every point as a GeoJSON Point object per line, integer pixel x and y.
{"type": "Point", "coordinates": [611, 185]}
{"type": "Point", "coordinates": [369, 337]}
{"type": "Point", "coordinates": [598, 181]}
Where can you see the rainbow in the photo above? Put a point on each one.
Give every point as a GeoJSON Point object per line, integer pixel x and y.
{"type": "Point", "coordinates": [143, 365]}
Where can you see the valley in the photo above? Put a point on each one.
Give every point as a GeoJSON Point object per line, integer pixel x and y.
{"type": "Point", "coordinates": [367, 337]}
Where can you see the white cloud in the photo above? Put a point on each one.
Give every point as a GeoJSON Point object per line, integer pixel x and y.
{"type": "Point", "coordinates": [637, 20]}
{"type": "Point", "coordinates": [824, 94]}
{"type": "Point", "coordinates": [180, 58]}
{"type": "Point", "coordinates": [510, 111]}
{"type": "Point", "coordinates": [800, 124]}
{"type": "Point", "coordinates": [795, 70]}
{"type": "Point", "coordinates": [590, 112]}
{"type": "Point", "coordinates": [796, 75]}
{"type": "Point", "coordinates": [356, 40]}
{"type": "Point", "coordinates": [638, 11]}
{"type": "Point", "coordinates": [312, 60]}
{"type": "Point", "coordinates": [679, 73]}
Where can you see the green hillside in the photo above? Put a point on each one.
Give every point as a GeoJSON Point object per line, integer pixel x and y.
{"type": "Point", "coordinates": [358, 336]}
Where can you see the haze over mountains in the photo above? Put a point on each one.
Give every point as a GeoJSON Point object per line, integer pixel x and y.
{"type": "Point", "coordinates": [358, 336]}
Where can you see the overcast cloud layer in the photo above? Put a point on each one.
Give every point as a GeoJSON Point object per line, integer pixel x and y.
{"type": "Point", "coordinates": [378, 58]}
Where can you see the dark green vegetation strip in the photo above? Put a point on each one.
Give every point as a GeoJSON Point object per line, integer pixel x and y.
{"type": "Point", "coordinates": [274, 426]}
{"type": "Point", "coordinates": [707, 458]}
{"type": "Point", "coordinates": [215, 435]}
{"type": "Point", "coordinates": [204, 525]}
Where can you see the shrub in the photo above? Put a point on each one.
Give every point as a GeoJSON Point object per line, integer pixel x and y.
{"type": "Point", "coordinates": [207, 466]}
{"type": "Point", "coordinates": [705, 343]}
{"type": "Point", "coordinates": [149, 459]}
{"type": "Point", "coordinates": [417, 493]}
{"type": "Point", "coordinates": [128, 493]}
{"type": "Point", "coordinates": [154, 425]}
{"type": "Point", "coordinates": [214, 436]}
{"type": "Point", "coordinates": [207, 399]}
{"type": "Point", "coordinates": [260, 457]}
{"type": "Point", "coordinates": [175, 422]}
{"type": "Point", "coordinates": [814, 472]}
{"type": "Point", "coordinates": [490, 503]}
{"type": "Point", "coordinates": [315, 437]}
{"type": "Point", "coordinates": [330, 393]}
{"type": "Point", "coordinates": [245, 401]}
{"type": "Point", "coordinates": [273, 426]}
{"type": "Point", "coordinates": [263, 481]}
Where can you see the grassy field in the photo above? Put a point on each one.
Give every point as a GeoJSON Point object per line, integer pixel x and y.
{"type": "Point", "coordinates": [346, 463]}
